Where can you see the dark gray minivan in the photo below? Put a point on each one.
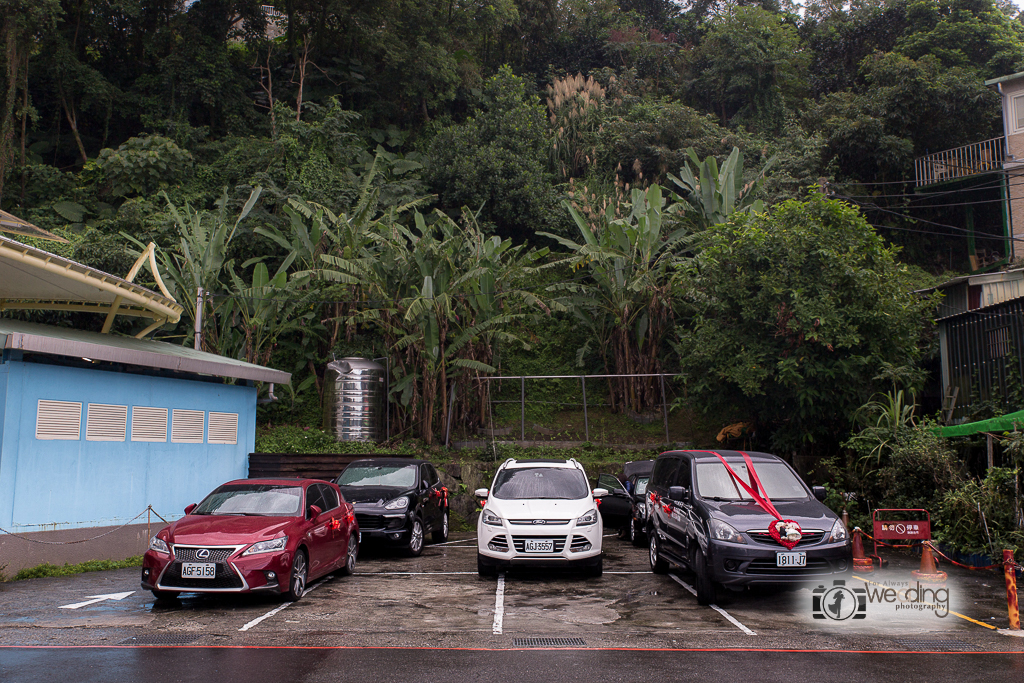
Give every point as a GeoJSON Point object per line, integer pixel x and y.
{"type": "Point", "coordinates": [699, 518]}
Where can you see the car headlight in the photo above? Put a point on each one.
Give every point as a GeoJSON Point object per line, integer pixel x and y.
{"type": "Point", "coordinates": [399, 503]}
{"type": "Point", "coordinates": [720, 531]}
{"type": "Point", "coordinates": [491, 518]}
{"type": "Point", "coordinates": [587, 519]}
{"type": "Point", "coordinates": [158, 545]}
{"type": "Point", "coordinates": [839, 533]}
{"type": "Point", "coordinates": [272, 546]}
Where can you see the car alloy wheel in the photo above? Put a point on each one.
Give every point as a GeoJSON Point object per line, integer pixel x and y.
{"type": "Point", "coordinates": [416, 538]}
{"type": "Point", "coordinates": [658, 565]}
{"type": "Point", "coordinates": [632, 532]}
{"type": "Point", "coordinates": [297, 582]}
{"type": "Point", "coordinates": [441, 535]}
{"type": "Point", "coordinates": [350, 556]}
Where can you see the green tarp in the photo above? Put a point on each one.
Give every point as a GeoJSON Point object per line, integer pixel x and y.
{"type": "Point", "coordinates": [1003, 423]}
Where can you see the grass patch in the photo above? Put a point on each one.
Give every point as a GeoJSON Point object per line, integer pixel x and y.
{"type": "Point", "coordinates": [47, 569]}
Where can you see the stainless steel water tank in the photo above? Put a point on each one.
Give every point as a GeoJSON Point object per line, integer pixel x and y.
{"type": "Point", "coordinates": [354, 399]}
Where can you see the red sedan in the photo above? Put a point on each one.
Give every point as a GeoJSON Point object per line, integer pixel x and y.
{"type": "Point", "coordinates": [254, 535]}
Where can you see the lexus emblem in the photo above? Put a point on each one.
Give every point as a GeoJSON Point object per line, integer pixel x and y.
{"type": "Point", "coordinates": [539, 521]}
{"type": "Point", "coordinates": [203, 554]}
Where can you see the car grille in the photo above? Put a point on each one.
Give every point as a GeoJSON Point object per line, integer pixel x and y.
{"type": "Point", "coordinates": [809, 537]}
{"type": "Point", "coordinates": [520, 542]}
{"type": "Point", "coordinates": [369, 522]}
{"type": "Point", "coordinates": [225, 578]}
{"type": "Point", "coordinates": [766, 567]}
{"type": "Point", "coordinates": [500, 543]}
{"type": "Point", "coordinates": [186, 554]}
{"type": "Point", "coordinates": [551, 522]}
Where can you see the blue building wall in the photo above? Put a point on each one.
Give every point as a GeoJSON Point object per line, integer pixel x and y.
{"type": "Point", "coordinates": [47, 485]}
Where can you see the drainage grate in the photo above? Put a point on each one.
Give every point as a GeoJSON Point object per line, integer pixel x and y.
{"type": "Point", "coordinates": [549, 642]}
{"type": "Point", "coordinates": [160, 639]}
{"type": "Point", "coordinates": [937, 644]}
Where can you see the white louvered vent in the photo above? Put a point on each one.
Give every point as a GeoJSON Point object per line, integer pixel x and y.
{"type": "Point", "coordinates": [149, 424]}
{"type": "Point", "coordinates": [187, 426]}
{"type": "Point", "coordinates": [223, 428]}
{"type": "Point", "coordinates": [58, 420]}
{"type": "Point", "coordinates": [106, 422]}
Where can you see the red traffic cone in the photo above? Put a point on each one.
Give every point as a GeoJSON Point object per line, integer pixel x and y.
{"type": "Point", "coordinates": [928, 573]}
{"type": "Point", "coordinates": [861, 562]}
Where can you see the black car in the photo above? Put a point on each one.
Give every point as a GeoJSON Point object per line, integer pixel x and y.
{"type": "Point", "coordinates": [637, 475]}
{"type": "Point", "coordinates": [700, 518]}
{"type": "Point", "coordinates": [619, 509]}
{"type": "Point", "coordinates": [397, 501]}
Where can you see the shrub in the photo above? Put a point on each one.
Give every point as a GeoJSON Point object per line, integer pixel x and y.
{"type": "Point", "coordinates": [143, 165]}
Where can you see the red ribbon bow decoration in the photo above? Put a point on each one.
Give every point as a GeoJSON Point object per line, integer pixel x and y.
{"type": "Point", "coordinates": [786, 532]}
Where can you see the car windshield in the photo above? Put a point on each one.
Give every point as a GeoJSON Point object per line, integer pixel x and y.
{"type": "Point", "coordinates": [641, 486]}
{"type": "Point", "coordinates": [274, 500]}
{"type": "Point", "coordinates": [403, 476]}
{"type": "Point", "coordinates": [714, 481]}
{"type": "Point", "coordinates": [559, 483]}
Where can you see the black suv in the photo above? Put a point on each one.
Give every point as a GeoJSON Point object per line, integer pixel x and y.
{"type": "Point", "coordinates": [700, 518]}
{"type": "Point", "coordinates": [397, 500]}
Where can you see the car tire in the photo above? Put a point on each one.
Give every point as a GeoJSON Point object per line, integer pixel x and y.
{"type": "Point", "coordinates": [351, 555]}
{"type": "Point", "coordinates": [164, 595]}
{"type": "Point", "coordinates": [485, 570]}
{"type": "Point", "coordinates": [597, 569]}
{"type": "Point", "coordinates": [658, 565]}
{"type": "Point", "coordinates": [704, 585]}
{"type": "Point", "coordinates": [441, 535]}
{"type": "Point", "coordinates": [636, 537]}
{"type": "Point", "coordinates": [415, 546]}
{"type": "Point", "coordinates": [297, 577]}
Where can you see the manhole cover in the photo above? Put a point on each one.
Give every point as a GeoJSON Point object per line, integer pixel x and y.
{"type": "Point", "coordinates": [549, 642]}
{"type": "Point", "coordinates": [160, 639]}
{"type": "Point", "coordinates": [937, 644]}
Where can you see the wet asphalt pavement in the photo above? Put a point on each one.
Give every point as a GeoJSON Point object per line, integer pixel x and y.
{"type": "Point", "coordinates": [432, 618]}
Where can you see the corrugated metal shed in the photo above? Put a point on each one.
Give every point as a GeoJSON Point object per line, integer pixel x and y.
{"type": "Point", "coordinates": [63, 341]}
{"type": "Point", "coordinates": [974, 292]}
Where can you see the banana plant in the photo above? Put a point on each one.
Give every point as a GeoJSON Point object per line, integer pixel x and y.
{"type": "Point", "coordinates": [711, 194]}
{"type": "Point", "coordinates": [625, 303]}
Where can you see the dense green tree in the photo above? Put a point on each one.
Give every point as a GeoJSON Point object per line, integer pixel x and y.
{"type": "Point", "coordinates": [790, 316]}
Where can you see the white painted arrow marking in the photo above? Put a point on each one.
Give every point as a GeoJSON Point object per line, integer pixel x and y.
{"type": "Point", "coordinates": [97, 598]}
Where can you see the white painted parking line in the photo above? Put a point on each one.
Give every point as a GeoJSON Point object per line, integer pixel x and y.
{"type": "Point", "coordinates": [274, 611]}
{"type": "Point", "coordinates": [499, 606]}
{"type": "Point", "coordinates": [646, 572]}
{"type": "Point", "coordinates": [410, 573]}
{"type": "Point", "coordinates": [461, 540]}
{"type": "Point", "coordinates": [718, 609]}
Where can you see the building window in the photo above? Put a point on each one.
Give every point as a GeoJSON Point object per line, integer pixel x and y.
{"type": "Point", "coordinates": [106, 422]}
{"type": "Point", "coordinates": [187, 426]}
{"type": "Point", "coordinates": [149, 424]}
{"type": "Point", "coordinates": [223, 428]}
{"type": "Point", "coordinates": [1018, 113]}
{"type": "Point", "coordinates": [999, 342]}
{"type": "Point", "coordinates": [58, 420]}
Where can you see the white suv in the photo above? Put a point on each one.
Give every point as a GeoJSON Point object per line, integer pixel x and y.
{"type": "Point", "coordinates": [539, 513]}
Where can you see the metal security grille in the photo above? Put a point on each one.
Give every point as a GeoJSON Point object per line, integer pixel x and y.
{"type": "Point", "coordinates": [58, 420]}
{"type": "Point", "coordinates": [223, 428]}
{"type": "Point", "coordinates": [149, 424]}
{"type": "Point", "coordinates": [187, 426]}
{"type": "Point", "coordinates": [937, 645]}
{"type": "Point", "coordinates": [160, 639]}
{"type": "Point", "coordinates": [105, 422]}
{"type": "Point", "coordinates": [549, 642]}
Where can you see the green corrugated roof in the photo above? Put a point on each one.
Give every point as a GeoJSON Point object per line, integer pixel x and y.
{"type": "Point", "coordinates": [1004, 423]}
{"type": "Point", "coordinates": [65, 341]}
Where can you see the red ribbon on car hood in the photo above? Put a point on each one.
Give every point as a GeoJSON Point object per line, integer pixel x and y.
{"type": "Point", "coordinates": [763, 501]}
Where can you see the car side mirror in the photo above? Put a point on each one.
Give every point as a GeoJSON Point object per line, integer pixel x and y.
{"type": "Point", "coordinates": [599, 492]}
{"type": "Point", "coordinates": [819, 492]}
{"type": "Point", "coordinates": [190, 508]}
{"type": "Point", "coordinates": [481, 496]}
{"type": "Point", "coordinates": [313, 512]}
{"type": "Point", "coordinates": [679, 493]}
